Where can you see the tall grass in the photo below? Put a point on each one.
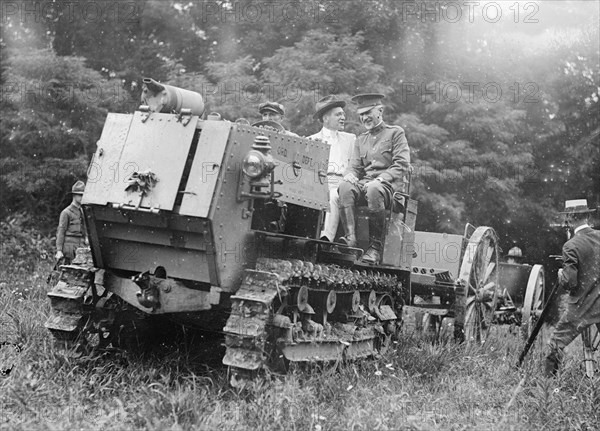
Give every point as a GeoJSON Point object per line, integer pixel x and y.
{"type": "Point", "coordinates": [417, 385]}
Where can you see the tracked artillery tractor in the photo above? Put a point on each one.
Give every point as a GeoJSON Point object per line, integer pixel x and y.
{"type": "Point", "coordinates": [213, 224]}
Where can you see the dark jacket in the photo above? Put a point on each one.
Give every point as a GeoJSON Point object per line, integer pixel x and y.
{"type": "Point", "coordinates": [581, 266]}
{"type": "Point", "coordinates": [381, 152]}
{"type": "Point", "coordinates": [70, 224]}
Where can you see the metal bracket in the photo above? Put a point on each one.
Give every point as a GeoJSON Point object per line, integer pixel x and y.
{"type": "Point", "coordinates": [255, 188]}
{"type": "Point", "coordinates": [322, 175]}
{"type": "Point", "coordinates": [145, 109]}
{"type": "Point", "coordinates": [296, 168]}
{"type": "Point", "coordinates": [152, 210]}
{"type": "Point", "coordinates": [184, 117]}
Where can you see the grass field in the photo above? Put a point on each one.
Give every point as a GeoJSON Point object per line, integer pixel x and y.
{"type": "Point", "coordinates": [418, 385]}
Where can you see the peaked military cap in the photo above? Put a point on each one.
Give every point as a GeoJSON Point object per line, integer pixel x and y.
{"type": "Point", "coordinates": [577, 206]}
{"type": "Point", "coordinates": [367, 101]}
{"type": "Point", "coordinates": [78, 188]}
{"type": "Point", "coordinates": [271, 106]}
{"type": "Point", "coordinates": [269, 125]}
{"type": "Point", "coordinates": [325, 104]}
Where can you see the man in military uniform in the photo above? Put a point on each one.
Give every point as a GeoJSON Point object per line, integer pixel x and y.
{"type": "Point", "coordinates": [70, 234]}
{"type": "Point", "coordinates": [378, 168]}
{"type": "Point", "coordinates": [330, 111]}
{"type": "Point", "coordinates": [580, 276]}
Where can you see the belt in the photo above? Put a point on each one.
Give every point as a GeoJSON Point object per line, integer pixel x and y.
{"type": "Point", "coordinates": [334, 175]}
{"type": "Point", "coordinates": [74, 236]}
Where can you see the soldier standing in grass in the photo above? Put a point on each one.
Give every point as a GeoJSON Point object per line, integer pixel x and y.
{"type": "Point", "coordinates": [580, 276]}
{"type": "Point", "coordinates": [70, 234]}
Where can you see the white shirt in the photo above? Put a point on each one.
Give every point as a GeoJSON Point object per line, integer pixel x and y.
{"type": "Point", "coordinates": [340, 151]}
{"type": "Point", "coordinates": [578, 228]}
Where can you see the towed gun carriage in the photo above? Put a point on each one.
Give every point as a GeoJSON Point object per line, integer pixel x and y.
{"type": "Point", "coordinates": [178, 213]}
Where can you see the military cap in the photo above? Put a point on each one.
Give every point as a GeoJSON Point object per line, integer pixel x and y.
{"type": "Point", "coordinates": [78, 188]}
{"type": "Point", "coordinates": [367, 101]}
{"type": "Point", "coordinates": [271, 106]}
{"type": "Point", "coordinates": [325, 104]}
{"type": "Point", "coordinates": [577, 206]}
{"type": "Point", "coordinates": [269, 125]}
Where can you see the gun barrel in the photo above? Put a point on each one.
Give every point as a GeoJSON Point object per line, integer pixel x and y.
{"type": "Point", "coordinates": [153, 86]}
{"type": "Point", "coordinates": [167, 98]}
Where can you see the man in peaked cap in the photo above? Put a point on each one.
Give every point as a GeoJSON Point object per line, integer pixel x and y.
{"type": "Point", "coordinates": [70, 234]}
{"type": "Point", "coordinates": [273, 111]}
{"type": "Point", "coordinates": [378, 168]}
{"type": "Point", "coordinates": [580, 276]}
{"type": "Point", "coordinates": [330, 112]}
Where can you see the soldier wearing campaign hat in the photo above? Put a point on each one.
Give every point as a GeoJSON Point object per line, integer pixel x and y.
{"type": "Point", "coordinates": [580, 276]}
{"type": "Point", "coordinates": [514, 255]}
{"type": "Point", "coordinates": [330, 112]}
{"type": "Point", "coordinates": [70, 234]}
{"type": "Point", "coordinates": [378, 168]}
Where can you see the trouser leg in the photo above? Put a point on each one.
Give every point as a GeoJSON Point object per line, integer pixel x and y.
{"type": "Point", "coordinates": [348, 195]}
{"type": "Point", "coordinates": [568, 328]}
{"type": "Point", "coordinates": [332, 218]}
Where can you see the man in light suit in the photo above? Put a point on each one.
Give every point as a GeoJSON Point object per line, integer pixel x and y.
{"type": "Point", "coordinates": [580, 276]}
{"type": "Point", "coordinates": [330, 111]}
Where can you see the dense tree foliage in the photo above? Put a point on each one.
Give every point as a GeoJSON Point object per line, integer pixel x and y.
{"type": "Point", "coordinates": [502, 119]}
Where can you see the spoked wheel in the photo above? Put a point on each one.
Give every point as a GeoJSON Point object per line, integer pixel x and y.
{"type": "Point", "coordinates": [533, 303]}
{"type": "Point", "coordinates": [479, 274]}
{"type": "Point", "coordinates": [591, 350]}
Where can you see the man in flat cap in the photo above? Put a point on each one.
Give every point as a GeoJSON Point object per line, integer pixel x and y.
{"type": "Point", "coordinates": [378, 168]}
{"type": "Point", "coordinates": [273, 111]}
{"type": "Point", "coordinates": [580, 276]}
{"type": "Point", "coordinates": [70, 234]}
{"type": "Point", "coordinates": [330, 112]}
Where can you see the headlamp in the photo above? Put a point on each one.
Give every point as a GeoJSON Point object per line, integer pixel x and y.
{"type": "Point", "coordinates": [253, 164]}
{"type": "Point", "coordinates": [259, 161]}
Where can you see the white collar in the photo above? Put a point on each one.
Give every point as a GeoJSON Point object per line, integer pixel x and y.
{"type": "Point", "coordinates": [578, 228]}
{"type": "Point", "coordinates": [329, 133]}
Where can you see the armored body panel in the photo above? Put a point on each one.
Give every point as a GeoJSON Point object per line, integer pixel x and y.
{"type": "Point", "coordinates": [165, 191]}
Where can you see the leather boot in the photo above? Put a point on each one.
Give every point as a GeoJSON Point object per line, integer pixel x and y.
{"type": "Point", "coordinates": [552, 364]}
{"type": "Point", "coordinates": [376, 226]}
{"type": "Point", "coordinates": [349, 224]}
